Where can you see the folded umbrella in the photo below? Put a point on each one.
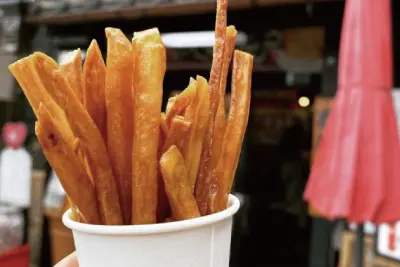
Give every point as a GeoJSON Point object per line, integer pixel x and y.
{"type": "Point", "coordinates": [356, 169]}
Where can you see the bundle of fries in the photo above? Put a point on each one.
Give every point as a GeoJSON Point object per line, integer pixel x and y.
{"type": "Point", "coordinates": [119, 158]}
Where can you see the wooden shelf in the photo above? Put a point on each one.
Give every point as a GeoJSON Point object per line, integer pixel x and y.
{"type": "Point", "coordinates": [160, 10]}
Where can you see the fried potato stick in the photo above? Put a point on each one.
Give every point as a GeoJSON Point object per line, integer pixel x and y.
{"type": "Point", "coordinates": [94, 82]}
{"type": "Point", "coordinates": [170, 103]}
{"type": "Point", "coordinates": [182, 101]}
{"type": "Point", "coordinates": [224, 174]}
{"type": "Point", "coordinates": [150, 65]}
{"type": "Point", "coordinates": [93, 147]}
{"type": "Point", "coordinates": [162, 199]}
{"type": "Point", "coordinates": [118, 95]}
{"type": "Point", "coordinates": [177, 135]}
{"type": "Point", "coordinates": [27, 76]}
{"type": "Point", "coordinates": [179, 191]}
{"type": "Point", "coordinates": [194, 144]}
{"type": "Point", "coordinates": [203, 176]}
{"type": "Point", "coordinates": [75, 214]}
{"type": "Point", "coordinates": [69, 169]}
{"type": "Point", "coordinates": [220, 117]}
{"type": "Point", "coordinates": [72, 69]}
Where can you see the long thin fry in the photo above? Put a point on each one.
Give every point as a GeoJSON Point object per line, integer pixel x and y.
{"type": "Point", "coordinates": [162, 199]}
{"type": "Point", "coordinates": [94, 82]}
{"type": "Point", "coordinates": [203, 176]}
{"type": "Point", "coordinates": [176, 136]}
{"type": "Point", "coordinates": [220, 117]}
{"type": "Point", "coordinates": [194, 144]}
{"type": "Point", "coordinates": [26, 74]}
{"type": "Point", "coordinates": [170, 103]}
{"type": "Point", "coordinates": [118, 95]}
{"type": "Point", "coordinates": [75, 214]}
{"type": "Point", "coordinates": [150, 65]}
{"type": "Point", "coordinates": [93, 147]}
{"type": "Point", "coordinates": [72, 69]}
{"type": "Point", "coordinates": [224, 174]}
{"type": "Point", "coordinates": [70, 170]}
{"type": "Point", "coordinates": [179, 191]}
{"type": "Point", "coordinates": [182, 101]}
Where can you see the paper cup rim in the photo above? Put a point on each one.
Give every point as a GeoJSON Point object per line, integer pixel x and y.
{"type": "Point", "coordinates": [144, 229]}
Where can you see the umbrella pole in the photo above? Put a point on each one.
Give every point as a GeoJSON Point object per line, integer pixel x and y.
{"type": "Point", "coordinates": [359, 246]}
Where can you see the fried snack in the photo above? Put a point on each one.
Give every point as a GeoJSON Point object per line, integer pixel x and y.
{"type": "Point", "coordinates": [220, 117]}
{"type": "Point", "coordinates": [179, 191]}
{"type": "Point", "coordinates": [27, 76]}
{"type": "Point", "coordinates": [150, 65]}
{"type": "Point", "coordinates": [118, 95]}
{"type": "Point", "coordinates": [182, 101]}
{"type": "Point", "coordinates": [223, 175]}
{"type": "Point", "coordinates": [162, 199]}
{"type": "Point", "coordinates": [94, 82]}
{"type": "Point", "coordinates": [203, 176]}
{"type": "Point", "coordinates": [194, 144]}
{"type": "Point", "coordinates": [70, 170]}
{"type": "Point", "coordinates": [72, 69]}
{"type": "Point", "coordinates": [170, 103]}
{"type": "Point", "coordinates": [93, 147]}
{"type": "Point", "coordinates": [177, 133]}
{"type": "Point", "coordinates": [75, 214]}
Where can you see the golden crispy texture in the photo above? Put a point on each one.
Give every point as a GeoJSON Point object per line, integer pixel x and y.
{"type": "Point", "coordinates": [69, 169]}
{"type": "Point", "coordinates": [118, 95]}
{"type": "Point", "coordinates": [72, 69]}
{"type": "Point", "coordinates": [150, 64]}
{"type": "Point", "coordinates": [75, 214]}
{"type": "Point", "coordinates": [182, 101]}
{"type": "Point", "coordinates": [203, 176]}
{"type": "Point", "coordinates": [26, 73]}
{"type": "Point", "coordinates": [170, 103]}
{"type": "Point", "coordinates": [220, 117]}
{"type": "Point", "coordinates": [94, 82]}
{"type": "Point", "coordinates": [179, 191]}
{"type": "Point", "coordinates": [162, 199]}
{"type": "Point", "coordinates": [93, 147]}
{"type": "Point", "coordinates": [224, 174]}
{"type": "Point", "coordinates": [177, 133]}
{"type": "Point", "coordinates": [194, 142]}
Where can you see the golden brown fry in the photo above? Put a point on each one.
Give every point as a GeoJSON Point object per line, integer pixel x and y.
{"type": "Point", "coordinates": [162, 199]}
{"type": "Point", "coordinates": [69, 169]}
{"type": "Point", "coordinates": [223, 175]}
{"type": "Point", "coordinates": [26, 73]}
{"type": "Point", "coordinates": [177, 133]}
{"type": "Point", "coordinates": [220, 117]}
{"type": "Point", "coordinates": [118, 95]}
{"type": "Point", "coordinates": [93, 147]}
{"type": "Point", "coordinates": [194, 144]}
{"type": "Point", "coordinates": [72, 69]}
{"type": "Point", "coordinates": [170, 103]}
{"type": "Point", "coordinates": [179, 191]}
{"type": "Point", "coordinates": [75, 214]}
{"type": "Point", "coordinates": [203, 176]}
{"type": "Point", "coordinates": [94, 82]}
{"type": "Point", "coordinates": [182, 101]}
{"type": "Point", "coordinates": [150, 64]}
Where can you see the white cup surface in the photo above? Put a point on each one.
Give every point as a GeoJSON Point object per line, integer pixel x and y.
{"type": "Point", "coordinates": [200, 242]}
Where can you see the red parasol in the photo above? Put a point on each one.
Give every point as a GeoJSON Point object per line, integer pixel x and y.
{"type": "Point", "coordinates": [356, 170]}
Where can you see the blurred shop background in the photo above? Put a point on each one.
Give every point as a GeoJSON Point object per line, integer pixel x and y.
{"type": "Point", "coordinates": [295, 43]}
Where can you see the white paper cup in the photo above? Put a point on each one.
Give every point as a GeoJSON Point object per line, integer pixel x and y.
{"type": "Point", "coordinates": [200, 242]}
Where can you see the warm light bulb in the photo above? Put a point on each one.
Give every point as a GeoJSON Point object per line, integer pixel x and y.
{"type": "Point", "coordinates": [304, 101]}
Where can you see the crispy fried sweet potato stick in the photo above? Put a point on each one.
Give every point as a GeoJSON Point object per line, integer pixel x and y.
{"type": "Point", "coordinates": [177, 135]}
{"type": "Point", "coordinates": [224, 174]}
{"type": "Point", "coordinates": [220, 117]}
{"type": "Point", "coordinates": [203, 176]}
{"type": "Point", "coordinates": [118, 95]}
{"type": "Point", "coordinates": [179, 191]}
{"type": "Point", "coordinates": [162, 199]}
{"type": "Point", "coordinates": [94, 82]}
{"type": "Point", "coordinates": [182, 101]}
{"type": "Point", "coordinates": [93, 147]}
{"type": "Point", "coordinates": [69, 169]}
{"type": "Point", "coordinates": [72, 69]}
{"type": "Point", "coordinates": [194, 142]}
{"type": "Point", "coordinates": [150, 64]}
{"type": "Point", "coordinates": [26, 74]}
